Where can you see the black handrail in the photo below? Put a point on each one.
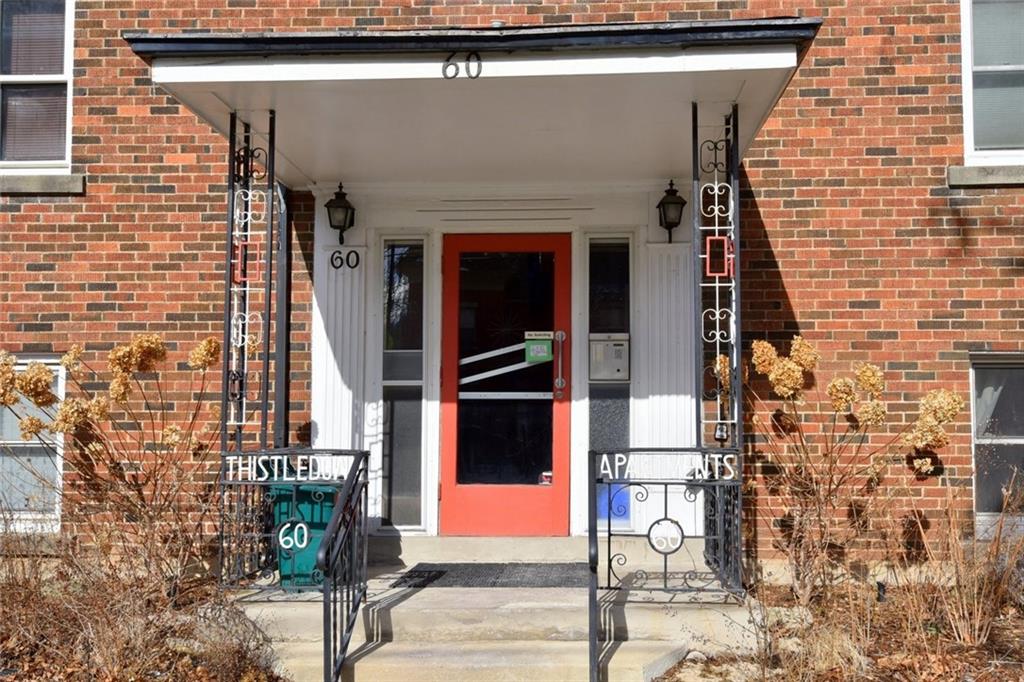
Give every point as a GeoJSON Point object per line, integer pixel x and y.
{"type": "Point", "coordinates": [341, 559]}
{"type": "Point", "coordinates": [338, 515]}
{"type": "Point", "coordinates": [594, 613]}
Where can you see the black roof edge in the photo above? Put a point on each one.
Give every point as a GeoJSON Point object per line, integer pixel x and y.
{"type": "Point", "coordinates": [785, 30]}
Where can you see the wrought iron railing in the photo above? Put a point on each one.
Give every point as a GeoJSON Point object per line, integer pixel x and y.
{"type": "Point", "coordinates": [662, 521]}
{"type": "Point", "coordinates": [341, 560]}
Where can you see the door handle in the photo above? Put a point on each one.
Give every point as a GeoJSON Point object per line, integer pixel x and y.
{"type": "Point", "coordinates": [559, 376]}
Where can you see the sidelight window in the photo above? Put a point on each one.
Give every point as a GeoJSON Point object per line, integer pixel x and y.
{"type": "Point", "coordinates": [403, 383]}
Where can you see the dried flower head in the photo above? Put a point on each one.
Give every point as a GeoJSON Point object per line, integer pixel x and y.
{"type": "Point", "coordinates": [120, 388]}
{"type": "Point", "coordinates": [72, 414]}
{"type": "Point", "coordinates": [926, 434]}
{"type": "Point", "coordinates": [99, 409]}
{"type": "Point", "coordinates": [764, 356]}
{"type": "Point", "coordinates": [842, 393]}
{"type": "Point", "coordinates": [149, 350]}
{"type": "Point", "coordinates": [870, 379]}
{"type": "Point", "coordinates": [942, 405]}
{"type": "Point", "coordinates": [803, 353]}
{"type": "Point", "coordinates": [122, 360]}
{"type": "Point", "coordinates": [172, 436]}
{"type": "Point", "coordinates": [923, 465]}
{"type": "Point", "coordinates": [205, 355]}
{"type": "Point", "coordinates": [252, 346]}
{"type": "Point", "coordinates": [35, 382]}
{"type": "Point", "coordinates": [724, 374]}
{"type": "Point", "coordinates": [31, 427]}
{"type": "Point", "coordinates": [72, 360]}
{"type": "Point", "coordinates": [786, 377]}
{"type": "Point", "coordinates": [871, 413]}
{"type": "Point", "coordinates": [8, 380]}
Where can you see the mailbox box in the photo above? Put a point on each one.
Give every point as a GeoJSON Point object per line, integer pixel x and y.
{"type": "Point", "coordinates": [609, 357]}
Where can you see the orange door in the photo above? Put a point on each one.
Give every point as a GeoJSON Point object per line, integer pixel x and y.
{"type": "Point", "coordinates": [505, 384]}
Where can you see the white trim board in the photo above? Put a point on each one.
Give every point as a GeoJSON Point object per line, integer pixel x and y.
{"type": "Point", "coordinates": [180, 70]}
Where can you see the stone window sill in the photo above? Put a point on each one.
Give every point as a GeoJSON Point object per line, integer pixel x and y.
{"type": "Point", "coordinates": [984, 176]}
{"type": "Point", "coordinates": [31, 545]}
{"type": "Point", "coordinates": [43, 185]}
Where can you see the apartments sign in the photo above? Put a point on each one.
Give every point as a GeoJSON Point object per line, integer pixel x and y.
{"type": "Point", "coordinates": [709, 467]}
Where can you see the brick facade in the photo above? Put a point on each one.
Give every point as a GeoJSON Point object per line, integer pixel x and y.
{"type": "Point", "coordinates": [852, 236]}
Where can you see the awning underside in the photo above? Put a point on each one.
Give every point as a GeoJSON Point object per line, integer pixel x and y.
{"type": "Point", "coordinates": [530, 116]}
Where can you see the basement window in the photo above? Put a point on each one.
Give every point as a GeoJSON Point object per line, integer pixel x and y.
{"type": "Point", "coordinates": [997, 412]}
{"type": "Point", "coordinates": [30, 471]}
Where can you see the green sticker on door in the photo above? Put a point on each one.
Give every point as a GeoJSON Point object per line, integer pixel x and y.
{"type": "Point", "coordinates": [538, 347]}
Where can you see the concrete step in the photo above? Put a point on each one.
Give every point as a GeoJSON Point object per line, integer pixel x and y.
{"type": "Point", "coordinates": [508, 614]}
{"type": "Point", "coordinates": [485, 660]}
{"type": "Point", "coordinates": [491, 633]}
{"type": "Point", "coordinates": [394, 550]}
{"type": "Point", "coordinates": [397, 551]}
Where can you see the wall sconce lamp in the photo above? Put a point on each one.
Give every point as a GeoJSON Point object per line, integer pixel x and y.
{"type": "Point", "coordinates": [340, 213]}
{"type": "Point", "coordinates": [670, 209]}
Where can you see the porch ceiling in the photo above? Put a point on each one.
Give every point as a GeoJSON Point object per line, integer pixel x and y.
{"type": "Point", "coordinates": [589, 114]}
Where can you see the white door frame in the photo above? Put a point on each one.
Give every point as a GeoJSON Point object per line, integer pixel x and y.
{"type": "Point", "coordinates": [384, 214]}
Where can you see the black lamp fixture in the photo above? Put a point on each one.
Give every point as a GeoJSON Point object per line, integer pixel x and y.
{"type": "Point", "coordinates": [670, 209]}
{"type": "Point", "coordinates": [340, 213]}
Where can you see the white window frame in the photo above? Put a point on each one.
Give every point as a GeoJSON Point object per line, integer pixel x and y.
{"type": "Point", "coordinates": [42, 522]}
{"type": "Point", "coordinates": [385, 240]}
{"type": "Point", "coordinates": [52, 166]}
{"type": "Point", "coordinates": [984, 521]}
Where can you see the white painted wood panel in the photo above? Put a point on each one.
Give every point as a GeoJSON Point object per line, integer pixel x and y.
{"type": "Point", "coordinates": [663, 406]}
{"type": "Point", "coordinates": [339, 332]}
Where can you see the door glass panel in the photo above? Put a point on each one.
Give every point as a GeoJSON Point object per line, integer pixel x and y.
{"type": "Point", "coordinates": [402, 459]}
{"type": "Point", "coordinates": [504, 438]}
{"type": "Point", "coordinates": [504, 441]}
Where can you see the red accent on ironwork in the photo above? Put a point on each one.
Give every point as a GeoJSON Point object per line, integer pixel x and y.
{"type": "Point", "coordinates": [240, 274]}
{"type": "Point", "coordinates": [719, 258]}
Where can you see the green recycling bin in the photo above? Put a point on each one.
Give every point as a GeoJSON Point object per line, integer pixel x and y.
{"type": "Point", "coordinates": [301, 514]}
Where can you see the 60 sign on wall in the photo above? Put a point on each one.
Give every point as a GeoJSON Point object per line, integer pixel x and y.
{"type": "Point", "coordinates": [472, 67]}
{"type": "Point", "coordinates": [345, 259]}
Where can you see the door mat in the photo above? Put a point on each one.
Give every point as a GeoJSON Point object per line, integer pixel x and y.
{"type": "Point", "coordinates": [495, 575]}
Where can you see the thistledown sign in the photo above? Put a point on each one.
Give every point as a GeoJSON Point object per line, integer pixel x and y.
{"type": "Point", "coordinates": [284, 468]}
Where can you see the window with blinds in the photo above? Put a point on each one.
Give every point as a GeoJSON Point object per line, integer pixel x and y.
{"type": "Point", "coordinates": [995, 78]}
{"type": "Point", "coordinates": [34, 81]}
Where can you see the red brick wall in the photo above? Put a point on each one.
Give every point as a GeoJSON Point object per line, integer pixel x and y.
{"type": "Point", "coordinates": [851, 234]}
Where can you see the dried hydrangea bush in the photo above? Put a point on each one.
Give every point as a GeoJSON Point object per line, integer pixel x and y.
{"type": "Point", "coordinates": [824, 456]}
{"type": "Point", "coordinates": [140, 479]}
{"type": "Point", "coordinates": [128, 592]}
